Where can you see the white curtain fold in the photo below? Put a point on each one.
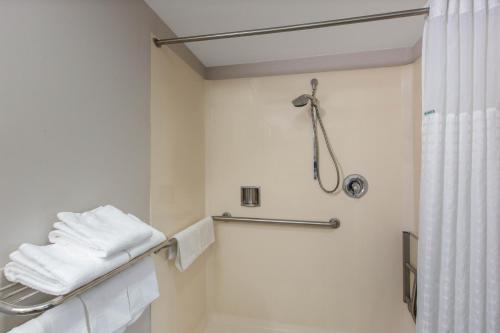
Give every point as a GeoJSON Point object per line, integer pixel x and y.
{"type": "Point", "coordinates": [459, 236]}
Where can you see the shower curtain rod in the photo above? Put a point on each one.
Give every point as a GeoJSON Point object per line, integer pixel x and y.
{"type": "Point", "coordinates": [295, 27]}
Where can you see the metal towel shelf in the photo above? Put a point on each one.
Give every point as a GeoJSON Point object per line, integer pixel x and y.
{"type": "Point", "coordinates": [14, 296]}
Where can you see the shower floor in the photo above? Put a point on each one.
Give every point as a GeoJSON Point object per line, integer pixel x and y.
{"type": "Point", "coordinates": [221, 323]}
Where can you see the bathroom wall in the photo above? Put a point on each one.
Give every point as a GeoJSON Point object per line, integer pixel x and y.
{"type": "Point", "coordinates": [264, 278]}
{"type": "Point", "coordinates": [74, 114]}
{"type": "Point", "coordinates": [177, 185]}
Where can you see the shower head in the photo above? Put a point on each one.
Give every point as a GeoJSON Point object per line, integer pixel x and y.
{"type": "Point", "coordinates": [301, 101]}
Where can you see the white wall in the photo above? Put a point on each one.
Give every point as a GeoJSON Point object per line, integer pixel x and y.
{"type": "Point", "coordinates": [302, 279]}
{"type": "Point", "coordinates": [74, 113]}
{"type": "Point", "coordinates": [177, 185]}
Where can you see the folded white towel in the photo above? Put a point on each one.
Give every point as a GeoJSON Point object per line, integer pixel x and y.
{"type": "Point", "coordinates": [154, 240]}
{"type": "Point", "coordinates": [103, 231]}
{"type": "Point", "coordinates": [55, 269]}
{"type": "Point", "coordinates": [116, 303]}
{"type": "Point", "coordinates": [193, 241]}
{"type": "Point", "coordinates": [68, 317]}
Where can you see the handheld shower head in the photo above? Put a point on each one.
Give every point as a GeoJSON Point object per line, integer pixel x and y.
{"type": "Point", "coordinates": [301, 101]}
{"type": "Point", "coordinates": [314, 111]}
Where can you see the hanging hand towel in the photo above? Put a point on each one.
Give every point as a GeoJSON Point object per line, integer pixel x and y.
{"type": "Point", "coordinates": [57, 270]}
{"type": "Point", "coordinates": [116, 303]}
{"type": "Point", "coordinates": [107, 305]}
{"type": "Point", "coordinates": [193, 241]}
{"type": "Point", "coordinates": [103, 232]}
{"type": "Point", "coordinates": [68, 317]}
{"type": "Point", "coordinates": [143, 286]}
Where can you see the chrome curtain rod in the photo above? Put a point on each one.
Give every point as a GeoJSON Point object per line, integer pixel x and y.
{"type": "Point", "coordinates": [295, 27]}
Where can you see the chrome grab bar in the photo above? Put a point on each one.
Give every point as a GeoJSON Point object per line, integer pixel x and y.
{"type": "Point", "coordinates": [410, 272]}
{"type": "Point", "coordinates": [227, 217]}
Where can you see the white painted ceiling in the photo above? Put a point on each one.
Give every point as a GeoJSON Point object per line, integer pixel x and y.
{"type": "Point", "coordinates": [192, 17]}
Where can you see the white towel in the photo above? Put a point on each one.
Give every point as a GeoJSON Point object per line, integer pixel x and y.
{"type": "Point", "coordinates": [134, 319]}
{"type": "Point", "coordinates": [193, 241]}
{"type": "Point", "coordinates": [55, 269]}
{"type": "Point", "coordinates": [154, 240]}
{"type": "Point", "coordinates": [143, 286]}
{"type": "Point", "coordinates": [107, 305]}
{"type": "Point", "coordinates": [68, 317]}
{"type": "Point", "coordinates": [116, 303]}
{"type": "Point", "coordinates": [31, 326]}
{"type": "Point", "coordinates": [103, 231]}
{"type": "Point", "coordinates": [110, 307]}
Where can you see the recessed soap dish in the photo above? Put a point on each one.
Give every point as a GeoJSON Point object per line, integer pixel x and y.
{"type": "Point", "coordinates": [250, 196]}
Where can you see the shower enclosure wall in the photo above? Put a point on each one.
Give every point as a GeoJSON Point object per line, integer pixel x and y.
{"type": "Point", "coordinates": [264, 278]}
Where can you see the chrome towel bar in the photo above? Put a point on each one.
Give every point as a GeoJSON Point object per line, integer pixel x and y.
{"type": "Point", "coordinates": [227, 217]}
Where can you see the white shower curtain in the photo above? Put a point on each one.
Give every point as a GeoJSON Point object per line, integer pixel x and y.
{"type": "Point", "coordinates": [459, 243]}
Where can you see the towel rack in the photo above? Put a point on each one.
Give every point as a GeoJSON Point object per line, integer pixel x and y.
{"type": "Point", "coordinates": [14, 296]}
{"type": "Point", "coordinates": [227, 217]}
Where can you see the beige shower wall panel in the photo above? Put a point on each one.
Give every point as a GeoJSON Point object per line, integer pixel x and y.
{"type": "Point", "coordinates": [177, 185]}
{"type": "Point", "coordinates": [346, 280]}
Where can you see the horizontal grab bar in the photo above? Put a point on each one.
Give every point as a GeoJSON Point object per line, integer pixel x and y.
{"type": "Point", "coordinates": [226, 217]}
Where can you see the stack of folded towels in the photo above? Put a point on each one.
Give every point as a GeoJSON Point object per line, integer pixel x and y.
{"type": "Point", "coordinates": [85, 246]}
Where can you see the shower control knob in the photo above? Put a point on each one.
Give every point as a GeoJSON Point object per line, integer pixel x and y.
{"type": "Point", "coordinates": [355, 186]}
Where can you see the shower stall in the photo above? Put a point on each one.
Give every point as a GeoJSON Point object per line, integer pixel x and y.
{"type": "Point", "coordinates": [268, 277]}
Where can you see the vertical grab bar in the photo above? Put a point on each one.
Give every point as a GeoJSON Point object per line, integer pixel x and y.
{"type": "Point", "coordinates": [409, 269]}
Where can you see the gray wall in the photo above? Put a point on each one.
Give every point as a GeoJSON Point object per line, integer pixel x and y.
{"type": "Point", "coordinates": [74, 113]}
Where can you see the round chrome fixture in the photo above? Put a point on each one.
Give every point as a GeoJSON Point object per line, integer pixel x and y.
{"type": "Point", "coordinates": [335, 223]}
{"type": "Point", "coordinates": [355, 186]}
